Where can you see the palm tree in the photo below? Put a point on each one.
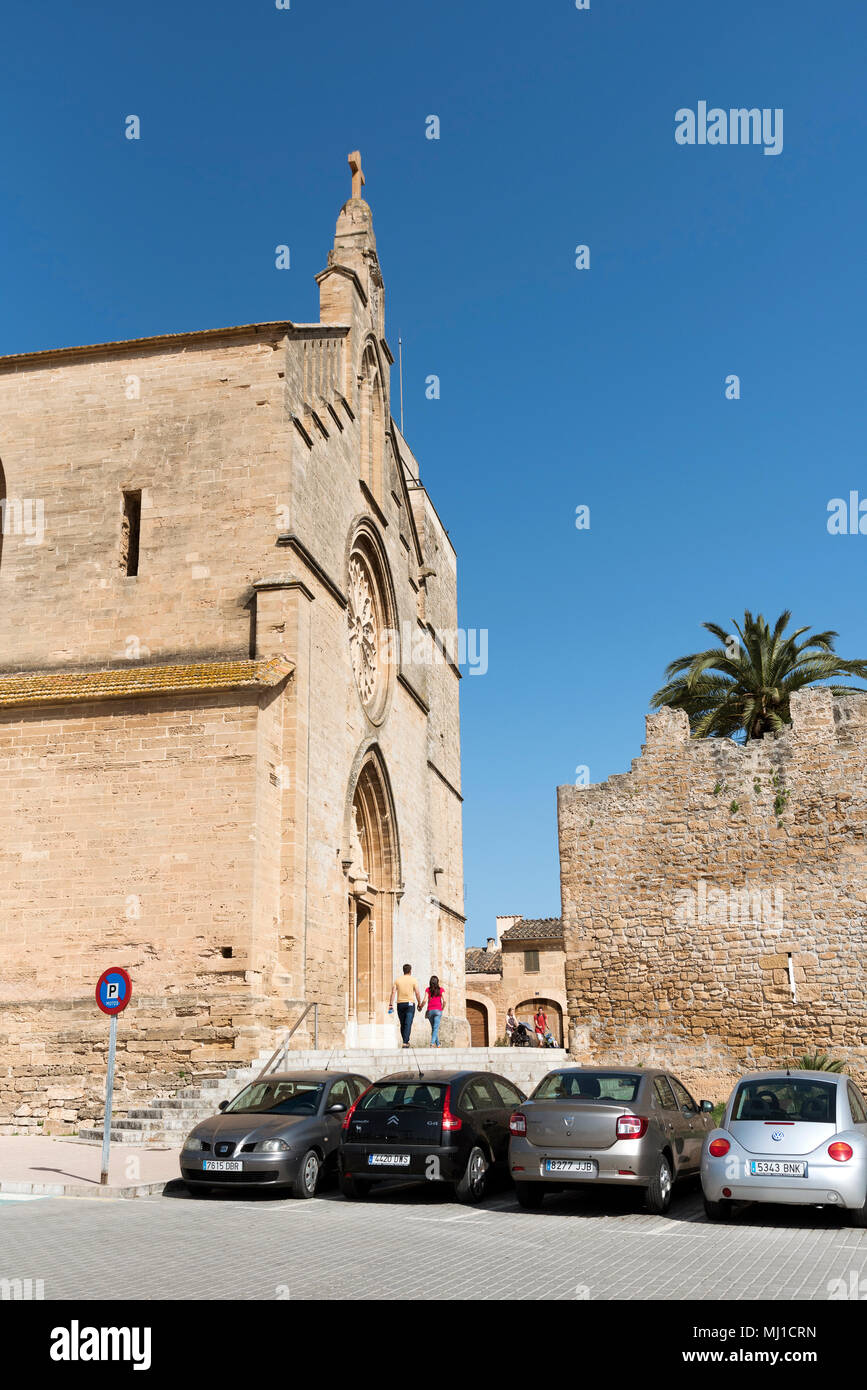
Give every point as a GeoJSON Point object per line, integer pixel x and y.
{"type": "Point", "coordinates": [820, 1061]}
{"type": "Point", "coordinates": [742, 688]}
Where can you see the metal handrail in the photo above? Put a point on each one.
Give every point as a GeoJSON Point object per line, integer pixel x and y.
{"type": "Point", "coordinates": [282, 1050]}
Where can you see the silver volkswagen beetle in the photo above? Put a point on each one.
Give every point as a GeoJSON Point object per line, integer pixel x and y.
{"type": "Point", "coordinates": [282, 1130]}
{"type": "Point", "coordinates": [795, 1137]}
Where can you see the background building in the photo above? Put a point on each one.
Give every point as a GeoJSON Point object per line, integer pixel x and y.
{"type": "Point", "coordinates": [522, 966]}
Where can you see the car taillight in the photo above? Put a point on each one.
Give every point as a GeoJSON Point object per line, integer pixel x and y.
{"type": "Point", "coordinates": [842, 1152]}
{"type": "Point", "coordinates": [351, 1111]}
{"type": "Point", "coordinates": [450, 1121]}
{"type": "Point", "coordinates": [718, 1147]}
{"type": "Point", "coordinates": [518, 1123]}
{"type": "Point", "coordinates": [631, 1126]}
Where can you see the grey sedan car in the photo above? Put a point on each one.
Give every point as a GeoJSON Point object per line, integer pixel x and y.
{"type": "Point", "coordinates": [795, 1137]}
{"type": "Point", "coordinates": [586, 1126]}
{"type": "Point", "coordinates": [282, 1130]}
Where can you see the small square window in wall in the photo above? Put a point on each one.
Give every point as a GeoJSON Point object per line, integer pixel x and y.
{"type": "Point", "coordinates": [531, 962]}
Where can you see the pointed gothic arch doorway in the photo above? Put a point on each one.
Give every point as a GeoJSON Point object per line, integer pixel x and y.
{"type": "Point", "coordinates": [374, 890]}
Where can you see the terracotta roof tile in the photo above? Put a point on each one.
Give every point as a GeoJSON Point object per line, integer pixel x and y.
{"type": "Point", "coordinates": [535, 929]}
{"type": "Point", "coordinates": [482, 962]}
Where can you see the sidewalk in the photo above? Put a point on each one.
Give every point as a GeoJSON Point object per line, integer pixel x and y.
{"type": "Point", "coordinates": [66, 1168]}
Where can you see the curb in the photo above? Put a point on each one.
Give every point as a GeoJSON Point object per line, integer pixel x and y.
{"type": "Point", "coordinates": [51, 1189]}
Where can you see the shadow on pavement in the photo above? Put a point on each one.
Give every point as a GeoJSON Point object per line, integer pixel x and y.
{"type": "Point", "coordinates": [177, 1190]}
{"type": "Point", "coordinates": [757, 1214]}
{"type": "Point", "coordinates": [586, 1205]}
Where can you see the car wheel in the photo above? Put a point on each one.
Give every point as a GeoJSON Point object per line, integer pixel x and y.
{"type": "Point", "coordinates": [717, 1211]}
{"type": "Point", "coordinates": [474, 1183]}
{"type": "Point", "coordinates": [658, 1195]}
{"type": "Point", "coordinates": [530, 1195]}
{"type": "Point", "coordinates": [356, 1189]}
{"type": "Point", "coordinates": [307, 1181]}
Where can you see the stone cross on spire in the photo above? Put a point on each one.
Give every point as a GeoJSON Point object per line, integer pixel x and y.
{"type": "Point", "coordinates": [358, 179]}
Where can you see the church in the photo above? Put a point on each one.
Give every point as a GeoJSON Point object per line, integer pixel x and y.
{"type": "Point", "coordinates": [223, 769]}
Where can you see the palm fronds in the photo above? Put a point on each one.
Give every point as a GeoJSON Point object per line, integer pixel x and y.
{"type": "Point", "coordinates": [742, 688]}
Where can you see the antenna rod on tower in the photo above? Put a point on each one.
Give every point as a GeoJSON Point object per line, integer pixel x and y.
{"type": "Point", "coordinates": [400, 374]}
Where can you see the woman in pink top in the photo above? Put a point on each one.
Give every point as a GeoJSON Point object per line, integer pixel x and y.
{"type": "Point", "coordinates": [434, 1004]}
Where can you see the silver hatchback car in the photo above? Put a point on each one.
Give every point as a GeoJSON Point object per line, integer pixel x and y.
{"type": "Point", "coordinates": [795, 1137]}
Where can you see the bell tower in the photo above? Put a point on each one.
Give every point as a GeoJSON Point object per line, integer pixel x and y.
{"type": "Point", "coordinates": [353, 258]}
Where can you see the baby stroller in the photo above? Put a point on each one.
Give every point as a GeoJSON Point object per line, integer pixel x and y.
{"type": "Point", "coordinates": [521, 1036]}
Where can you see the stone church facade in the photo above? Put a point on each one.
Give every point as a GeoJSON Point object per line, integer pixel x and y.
{"type": "Point", "coordinates": [715, 899]}
{"type": "Point", "coordinates": [229, 728]}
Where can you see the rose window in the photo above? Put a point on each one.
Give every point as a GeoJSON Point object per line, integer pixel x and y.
{"type": "Point", "coordinates": [363, 629]}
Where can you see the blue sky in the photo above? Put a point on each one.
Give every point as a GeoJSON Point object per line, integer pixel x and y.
{"type": "Point", "coordinates": [560, 387]}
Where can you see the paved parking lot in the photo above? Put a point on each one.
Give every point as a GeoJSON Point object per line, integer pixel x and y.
{"type": "Point", "coordinates": [415, 1243]}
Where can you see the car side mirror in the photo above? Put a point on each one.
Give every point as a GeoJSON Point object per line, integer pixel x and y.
{"type": "Point", "coordinates": [707, 1106]}
{"type": "Point", "coordinates": [223, 1104]}
{"type": "Point", "coordinates": [337, 1108]}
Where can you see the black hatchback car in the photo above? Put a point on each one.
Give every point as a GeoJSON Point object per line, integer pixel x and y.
{"type": "Point", "coordinates": [437, 1126]}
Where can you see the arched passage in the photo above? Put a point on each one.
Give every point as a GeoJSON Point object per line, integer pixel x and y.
{"type": "Point", "coordinates": [481, 1017]}
{"type": "Point", "coordinates": [374, 882]}
{"type": "Point", "coordinates": [552, 1010]}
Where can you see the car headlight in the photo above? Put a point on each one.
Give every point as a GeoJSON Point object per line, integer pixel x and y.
{"type": "Point", "coordinates": [272, 1146]}
{"type": "Point", "coordinates": [192, 1142]}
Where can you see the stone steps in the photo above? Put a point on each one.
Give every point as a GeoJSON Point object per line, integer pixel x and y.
{"type": "Point", "coordinates": [93, 1135]}
{"type": "Point", "coordinates": [168, 1119]}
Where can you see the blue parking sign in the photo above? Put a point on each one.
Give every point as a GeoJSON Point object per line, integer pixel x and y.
{"type": "Point", "coordinates": [113, 990]}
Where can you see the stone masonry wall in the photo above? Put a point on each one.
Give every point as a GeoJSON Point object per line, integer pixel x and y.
{"type": "Point", "coordinates": [715, 899]}
{"type": "Point", "coordinates": [137, 851]}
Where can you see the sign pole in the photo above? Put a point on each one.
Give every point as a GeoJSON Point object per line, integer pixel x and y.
{"type": "Point", "coordinates": [113, 993]}
{"type": "Point", "coordinates": [109, 1088]}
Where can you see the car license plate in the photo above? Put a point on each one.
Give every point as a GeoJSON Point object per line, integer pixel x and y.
{"type": "Point", "coordinates": [777, 1168]}
{"type": "Point", "coordinates": [585, 1166]}
{"type": "Point", "coordinates": [388, 1160]}
{"type": "Point", "coordinates": [217, 1166]}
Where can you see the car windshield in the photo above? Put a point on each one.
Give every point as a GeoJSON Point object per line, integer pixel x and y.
{"type": "Point", "coordinates": [786, 1098]}
{"type": "Point", "coordinates": [397, 1095]}
{"type": "Point", "coordinates": [588, 1085]}
{"type": "Point", "coordinates": [277, 1098]}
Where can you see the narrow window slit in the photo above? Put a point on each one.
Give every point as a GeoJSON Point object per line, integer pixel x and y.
{"type": "Point", "coordinates": [130, 532]}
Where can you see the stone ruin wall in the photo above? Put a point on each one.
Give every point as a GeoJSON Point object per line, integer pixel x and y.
{"type": "Point", "coordinates": [701, 886]}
